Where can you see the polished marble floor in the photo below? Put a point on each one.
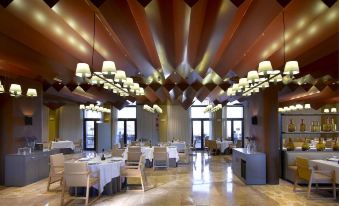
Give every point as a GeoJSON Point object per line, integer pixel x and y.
{"type": "Point", "coordinates": [208, 180]}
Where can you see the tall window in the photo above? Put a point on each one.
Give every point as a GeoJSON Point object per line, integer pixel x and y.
{"type": "Point", "coordinates": [235, 124]}
{"type": "Point", "coordinates": [126, 128]}
{"type": "Point", "coordinates": [201, 124]}
{"type": "Point", "coordinates": [91, 118]}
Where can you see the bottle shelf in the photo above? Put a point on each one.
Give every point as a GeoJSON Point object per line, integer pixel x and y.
{"type": "Point", "coordinates": [295, 114]}
{"type": "Point", "coordinates": [309, 132]}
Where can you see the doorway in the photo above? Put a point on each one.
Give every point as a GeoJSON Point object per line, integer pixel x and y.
{"type": "Point", "coordinates": [126, 131]}
{"type": "Point", "coordinates": [235, 128]}
{"type": "Point", "coordinates": [200, 132]}
{"type": "Point", "coordinates": [90, 138]}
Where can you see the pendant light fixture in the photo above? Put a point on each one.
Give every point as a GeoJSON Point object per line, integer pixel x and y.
{"type": "Point", "coordinates": [111, 78]}
{"type": "Point", "coordinates": [261, 78]}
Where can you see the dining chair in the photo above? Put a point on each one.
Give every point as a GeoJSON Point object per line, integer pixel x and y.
{"type": "Point", "coordinates": [213, 147]}
{"type": "Point", "coordinates": [313, 176]}
{"type": "Point", "coordinates": [134, 149]}
{"type": "Point", "coordinates": [160, 157]}
{"type": "Point", "coordinates": [56, 169]}
{"type": "Point", "coordinates": [192, 147]}
{"type": "Point", "coordinates": [78, 175]}
{"type": "Point", "coordinates": [115, 146]}
{"type": "Point", "coordinates": [184, 157]}
{"type": "Point", "coordinates": [133, 158]}
{"type": "Point", "coordinates": [207, 146]}
{"type": "Point", "coordinates": [117, 152]}
{"type": "Point", "coordinates": [136, 171]}
{"type": "Point", "coordinates": [78, 145]}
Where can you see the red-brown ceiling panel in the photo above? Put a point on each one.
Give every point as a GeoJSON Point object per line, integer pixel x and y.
{"type": "Point", "coordinates": [258, 16]}
{"type": "Point", "coordinates": [107, 45]}
{"type": "Point", "coordinates": [140, 19]}
{"type": "Point", "coordinates": [118, 15]}
{"type": "Point", "coordinates": [219, 15]}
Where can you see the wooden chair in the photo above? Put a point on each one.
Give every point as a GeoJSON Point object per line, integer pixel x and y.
{"type": "Point", "coordinates": [78, 175]}
{"type": "Point", "coordinates": [133, 158]}
{"type": "Point", "coordinates": [213, 147]}
{"type": "Point", "coordinates": [117, 152]}
{"type": "Point", "coordinates": [134, 149]}
{"type": "Point", "coordinates": [207, 146]}
{"type": "Point", "coordinates": [184, 157]}
{"type": "Point", "coordinates": [56, 169]}
{"type": "Point", "coordinates": [78, 145]}
{"type": "Point", "coordinates": [160, 157]}
{"type": "Point", "coordinates": [313, 176]}
{"type": "Point", "coordinates": [136, 171]}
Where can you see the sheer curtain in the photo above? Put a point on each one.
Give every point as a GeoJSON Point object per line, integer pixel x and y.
{"type": "Point", "coordinates": [179, 123]}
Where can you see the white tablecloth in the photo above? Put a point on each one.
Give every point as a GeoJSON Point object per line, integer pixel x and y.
{"type": "Point", "coordinates": [148, 153]}
{"type": "Point", "coordinates": [62, 145]}
{"type": "Point", "coordinates": [180, 145]}
{"type": "Point", "coordinates": [223, 145]}
{"type": "Point", "coordinates": [327, 165]}
{"type": "Point", "coordinates": [108, 170]}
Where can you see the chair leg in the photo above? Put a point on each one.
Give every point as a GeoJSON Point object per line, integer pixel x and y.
{"type": "Point", "coordinates": [309, 189]}
{"type": "Point", "coordinates": [87, 195]}
{"type": "Point", "coordinates": [334, 190]}
{"type": "Point", "coordinates": [295, 184]}
{"type": "Point", "coordinates": [142, 183]}
{"type": "Point", "coordinates": [62, 194]}
{"type": "Point", "coordinates": [49, 183]}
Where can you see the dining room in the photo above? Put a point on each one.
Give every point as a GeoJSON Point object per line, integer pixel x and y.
{"type": "Point", "coordinates": [169, 102]}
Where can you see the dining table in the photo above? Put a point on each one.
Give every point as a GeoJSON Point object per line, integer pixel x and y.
{"type": "Point", "coordinates": [107, 170]}
{"type": "Point", "coordinates": [330, 164]}
{"type": "Point", "coordinates": [63, 144]}
{"type": "Point", "coordinates": [180, 145]}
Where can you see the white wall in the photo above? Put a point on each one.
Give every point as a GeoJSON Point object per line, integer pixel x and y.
{"type": "Point", "coordinates": [179, 123]}
{"type": "Point", "coordinates": [70, 123]}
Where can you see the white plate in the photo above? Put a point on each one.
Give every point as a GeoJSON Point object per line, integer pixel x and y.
{"type": "Point", "coordinates": [117, 158]}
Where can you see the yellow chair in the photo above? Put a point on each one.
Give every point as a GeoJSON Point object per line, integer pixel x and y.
{"type": "Point", "coordinates": [78, 175]}
{"type": "Point", "coordinates": [313, 176]}
{"type": "Point", "coordinates": [136, 172]}
{"type": "Point", "coordinates": [56, 169]}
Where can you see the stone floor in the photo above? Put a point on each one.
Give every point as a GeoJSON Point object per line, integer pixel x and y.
{"type": "Point", "coordinates": [207, 181]}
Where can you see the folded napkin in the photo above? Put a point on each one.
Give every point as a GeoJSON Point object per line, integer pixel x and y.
{"type": "Point", "coordinates": [333, 159]}
{"type": "Point", "coordinates": [84, 159]}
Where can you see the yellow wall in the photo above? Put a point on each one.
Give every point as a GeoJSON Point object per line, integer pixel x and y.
{"type": "Point", "coordinates": [53, 124]}
{"type": "Point", "coordinates": [163, 124]}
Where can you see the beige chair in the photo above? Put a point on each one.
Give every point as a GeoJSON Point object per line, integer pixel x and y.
{"type": "Point", "coordinates": [136, 171]}
{"type": "Point", "coordinates": [133, 158]}
{"type": "Point", "coordinates": [313, 176]}
{"type": "Point", "coordinates": [160, 157]}
{"type": "Point", "coordinates": [213, 147]}
{"type": "Point", "coordinates": [115, 146]}
{"type": "Point", "coordinates": [78, 175]}
{"type": "Point", "coordinates": [134, 149]}
{"type": "Point", "coordinates": [207, 145]}
{"type": "Point", "coordinates": [117, 152]}
{"type": "Point", "coordinates": [78, 145]}
{"type": "Point", "coordinates": [184, 157]}
{"type": "Point", "coordinates": [56, 169]}
{"type": "Point", "coordinates": [135, 143]}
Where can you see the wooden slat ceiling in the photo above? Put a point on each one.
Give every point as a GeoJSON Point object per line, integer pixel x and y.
{"type": "Point", "coordinates": [177, 50]}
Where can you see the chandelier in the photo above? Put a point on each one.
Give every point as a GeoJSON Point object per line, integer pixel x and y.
{"type": "Point", "coordinates": [261, 78]}
{"type": "Point", "coordinates": [111, 78]}
{"type": "Point", "coordinates": [95, 108]}
{"type": "Point", "coordinates": [211, 108]}
{"type": "Point", "coordinates": [16, 91]}
{"type": "Point", "coordinates": [153, 109]}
